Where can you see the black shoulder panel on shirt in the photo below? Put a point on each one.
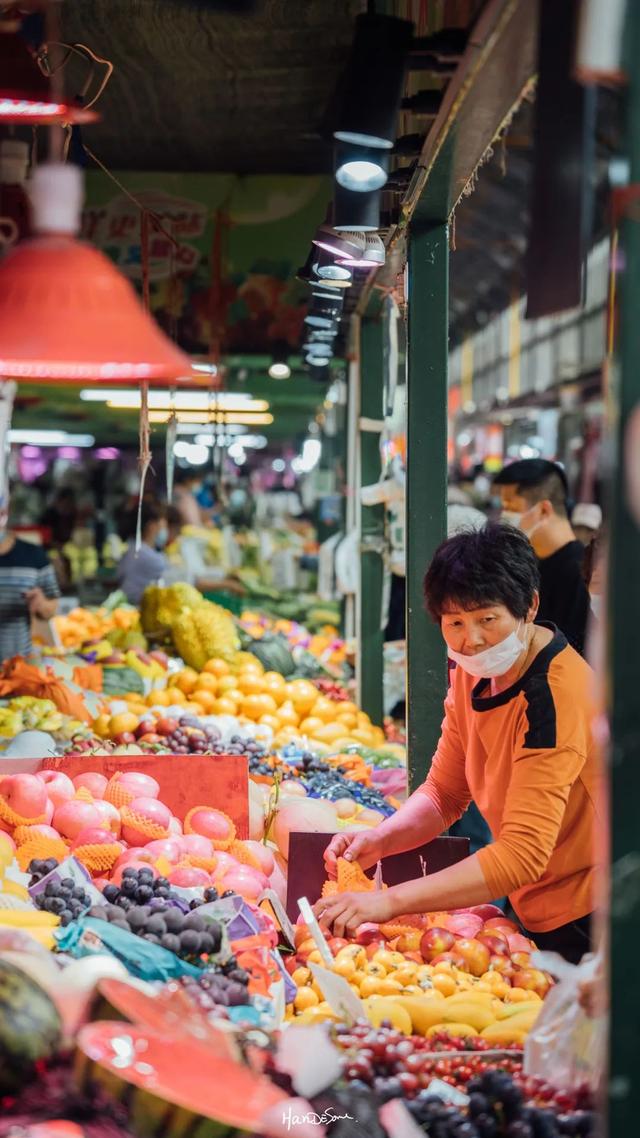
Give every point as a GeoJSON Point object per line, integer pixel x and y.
{"type": "Point", "coordinates": [541, 714]}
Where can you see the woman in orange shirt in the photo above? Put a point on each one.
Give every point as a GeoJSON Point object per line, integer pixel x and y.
{"type": "Point", "coordinates": [516, 738]}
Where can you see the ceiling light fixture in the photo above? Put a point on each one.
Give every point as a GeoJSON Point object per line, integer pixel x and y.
{"type": "Point", "coordinates": [25, 93]}
{"type": "Point", "coordinates": [373, 257]}
{"type": "Point", "coordinates": [369, 110]}
{"type": "Point", "coordinates": [50, 438]}
{"type": "Point", "coordinates": [129, 397]}
{"type": "Point", "coordinates": [329, 271]}
{"type": "Point", "coordinates": [320, 322]}
{"type": "Point", "coordinates": [263, 419]}
{"type": "Point", "coordinates": [338, 244]}
{"type": "Point", "coordinates": [361, 169]}
{"type": "Point", "coordinates": [355, 211]}
{"type": "Point", "coordinates": [279, 367]}
{"type": "Point", "coordinates": [66, 313]}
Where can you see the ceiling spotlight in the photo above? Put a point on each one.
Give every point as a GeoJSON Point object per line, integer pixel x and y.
{"type": "Point", "coordinates": [323, 322]}
{"type": "Point", "coordinates": [319, 336]}
{"type": "Point", "coordinates": [279, 367]}
{"type": "Point", "coordinates": [361, 169]}
{"type": "Point", "coordinates": [327, 294]}
{"type": "Point", "coordinates": [369, 110]}
{"type": "Point", "coordinates": [331, 307]}
{"type": "Point", "coordinates": [319, 361]}
{"type": "Point", "coordinates": [356, 211]}
{"type": "Point", "coordinates": [374, 255]}
{"type": "Point", "coordinates": [331, 272]}
{"type": "Point", "coordinates": [338, 244]}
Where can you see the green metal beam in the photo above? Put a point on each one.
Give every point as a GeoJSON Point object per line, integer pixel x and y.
{"type": "Point", "coordinates": [428, 305]}
{"type": "Point", "coordinates": [622, 672]}
{"type": "Point", "coordinates": [370, 633]}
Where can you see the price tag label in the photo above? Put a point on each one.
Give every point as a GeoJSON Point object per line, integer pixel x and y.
{"type": "Point", "coordinates": [338, 994]}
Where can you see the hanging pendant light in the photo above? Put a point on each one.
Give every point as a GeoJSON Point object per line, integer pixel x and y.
{"type": "Point", "coordinates": [374, 255]}
{"type": "Point", "coordinates": [25, 93]}
{"type": "Point", "coordinates": [355, 211]}
{"type": "Point", "coordinates": [374, 81]}
{"type": "Point", "coordinates": [66, 313]}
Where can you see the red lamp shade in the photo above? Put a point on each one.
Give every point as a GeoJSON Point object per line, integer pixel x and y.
{"type": "Point", "coordinates": [66, 313]}
{"type": "Point", "coordinates": [25, 93]}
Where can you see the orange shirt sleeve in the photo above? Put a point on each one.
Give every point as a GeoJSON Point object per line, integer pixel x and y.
{"type": "Point", "coordinates": [446, 784]}
{"type": "Point", "coordinates": [533, 812]}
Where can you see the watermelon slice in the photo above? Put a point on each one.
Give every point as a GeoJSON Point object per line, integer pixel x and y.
{"type": "Point", "coordinates": [172, 1086]}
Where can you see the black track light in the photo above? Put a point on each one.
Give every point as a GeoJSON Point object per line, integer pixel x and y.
{"type": "Point", "coordinates": [360, 169]}
{"type": "Point", "coordinates": [374, 81]}
{"type": "Point", "coordinates": [356, 211]}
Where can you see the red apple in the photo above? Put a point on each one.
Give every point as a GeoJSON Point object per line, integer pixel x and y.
{"type": "Point", "coordinates": [532, 980]}
{"type": "Point", "coordinates": [124, 737]}
{"type": "Point", "coordinates": [487, 912]}
{"type": "Point", "coordinates": [152, 812]}
{"type": "Point", "coordinates": [291, 962]}
{"type": "Point", "coordinates": [59, 786]}
{"type": "Point", "coordinates": [451, 958]}
{"type": "Point", "coordinates": [462, 924]}
{"type": "Point", "coordinates": [373, 947]}
{"type": "Point", "coordinates": [502, 923]}
{"type": "Point", "coordinates": [26, 794]}
{"type": "Point", "coordinates": [145, 727]}
{"type": "Point", "coordinates": [150, 739]}
{"type": "Point", "coordinates": [49, 811]}
{"type": "Point", "coordinates": [501, 964]}
{"type": "Point", "coordinates": [141, 785]}
{"type": "Point", "coordinates": [518, 943]}
{"type": "Point", "coordinates": [367, 932]}
{"type": "Point", "coordinates": [93, 781]}
{"type": "Point", "coordinates": [188, 877]}
{"type": "Point", "coordinates": [72, 817]}
{"type": "Point", "coordinates": [434, 942]}
{"type": "Point", "coordinates": [338, 942]}
{"type": "Point", "coordinates": [521, 959]}
{"type": "Point", "coordinates": [476, 956]}
{"type": "Point", "coordinates": [166, 726]}
{"type": "Point", "coordinates": [497, 945]}
{"type": "Point", "coordinates": [134, 854]}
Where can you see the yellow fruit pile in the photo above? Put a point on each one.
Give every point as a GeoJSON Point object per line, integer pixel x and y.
{"type": "Point", "coordinates": [81, 625]}
{"type": "Point", "coordinates": [199, 629]}
{"type": "Point", "coordinates": [420, 999]}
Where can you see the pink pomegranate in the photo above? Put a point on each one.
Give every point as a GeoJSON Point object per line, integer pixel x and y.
{"type": "Point", "coordinates": [175, 826]}
{"type": "Point", "coordinates": [168, 848]}
{"type": "Point", "coordinates": [142, 785]}
{"type": "Point", "coordinates": [135, 854]}
{"type": "Point", "coordinates": [197, 845]}
{"type": "Point", "coordinates": [59, 786]}
{"type": "Point", "coordinates": [26, 794]}
{"type": "Point", "coordinates": [211, 824]}
{"type": "Point", "coordinates": [73, 816]}
{"type": "Point", "coordinates": [152, 812]}
{"type": "Point", "coordinates": [189, 878]}
{"type": "Point", "coordinates": [49, 811]}
{"type": "Point", "coordinates": [95, 836]}
{"type": "Point", "coordinates": [92, 781]}
{"type": "Point", "coordinates": [41, 831]}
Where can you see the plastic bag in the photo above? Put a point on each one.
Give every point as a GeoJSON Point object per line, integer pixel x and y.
{"type": "Point", "coordinates": [566, 1044]}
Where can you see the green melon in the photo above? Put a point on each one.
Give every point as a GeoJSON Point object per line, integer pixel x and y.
{"type": "Point", "coordinates": [30, 1027]}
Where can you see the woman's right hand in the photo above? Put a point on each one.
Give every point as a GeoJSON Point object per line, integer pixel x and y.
{"type": "Point", "coordinates": [363, 846]}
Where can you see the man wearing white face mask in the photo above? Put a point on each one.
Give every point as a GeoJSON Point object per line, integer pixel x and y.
{"type": "Point", "coordinates": [534, 497]}
{"type": "Point", "coordinates": [517, 739]}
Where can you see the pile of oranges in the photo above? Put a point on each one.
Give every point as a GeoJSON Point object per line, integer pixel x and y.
{"type": "Point", "coordinates": [291, 709]}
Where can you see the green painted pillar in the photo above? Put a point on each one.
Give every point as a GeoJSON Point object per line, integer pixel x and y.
{"type": "Point", "coordinates": [428, 306]}
{"type": "Point", "coordinates": [372, 539]}
{"type": "Point", "coordinates": [622, 671]}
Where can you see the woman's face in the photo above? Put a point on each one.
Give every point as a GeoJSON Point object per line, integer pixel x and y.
{"type": "Point", "coordinates": [469, 631]}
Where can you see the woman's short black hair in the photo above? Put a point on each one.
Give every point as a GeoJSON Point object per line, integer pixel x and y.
{"type": "Point", "coordinates": [474, 569]}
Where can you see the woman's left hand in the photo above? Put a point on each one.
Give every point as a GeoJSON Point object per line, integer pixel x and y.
{"type": "Point", "coordinates": [345, 912]}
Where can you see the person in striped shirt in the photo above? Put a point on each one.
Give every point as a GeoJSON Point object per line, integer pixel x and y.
{"type": "Point", "coordinates": [28, 588]}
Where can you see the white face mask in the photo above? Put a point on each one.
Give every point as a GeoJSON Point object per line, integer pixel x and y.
{"type": "Point", "coordinates": [493, 661]}
{"type": "Point", "coordinates": [513, 518]}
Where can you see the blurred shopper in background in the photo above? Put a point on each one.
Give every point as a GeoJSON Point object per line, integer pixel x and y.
{"type": "Point", "coordinates": [535, 496]}
{"type": "Point", "coordinates": [146, 565]}
{"type": "Point", "coordinates": [586, 520]}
